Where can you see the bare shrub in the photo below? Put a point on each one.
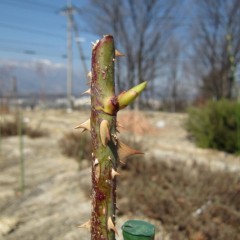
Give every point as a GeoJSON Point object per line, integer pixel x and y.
{"type": "Point", "coordinates": [189, 202]}
{"type": "Point", "coordinates": [76, 145]}
{"type": "Point", "coordinates": [11, 128]}
{"type": "Point", "coordinates": [36, 132]}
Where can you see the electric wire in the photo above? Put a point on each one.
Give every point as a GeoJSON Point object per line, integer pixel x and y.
{"type": "Point", "coordinates": [26, 29]}
{"type": "Point", "coordinates": [11, 41]}
{"type": "Point", "coordinates": [27, 7]}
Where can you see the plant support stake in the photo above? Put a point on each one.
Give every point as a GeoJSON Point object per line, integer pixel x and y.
{"type": "Point", "coordinates": [21, 152]}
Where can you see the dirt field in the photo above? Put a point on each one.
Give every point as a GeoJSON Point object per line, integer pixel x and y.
{"type": "Point", "coordinates": [54, 202]}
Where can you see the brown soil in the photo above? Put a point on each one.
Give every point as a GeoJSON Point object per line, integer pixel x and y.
{"type": "Point", "coordinates": [54, 201]}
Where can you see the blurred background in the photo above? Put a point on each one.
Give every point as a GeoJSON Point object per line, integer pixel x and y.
{"type": "Point", "coordinates": [186, 50]}
{"type": "Point", "coordinates": [187, 121]}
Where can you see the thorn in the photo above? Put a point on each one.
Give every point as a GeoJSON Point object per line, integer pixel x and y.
{"type": "Point", "coordinates": [111, 226]}
{"type": "Point", "coordinates": [95, 44]}
{"type": "Point", "coordinates": [97, 172]}
{"type": "Point", "coordinates": [125, 151]}
{"type": "Point", "coordinates": [96, 162]}
{"type": "Point", "coordinates": [104, 211]}
{"type": "Point", "coordinates": [127, 97]}
{"type": "Point", "coordinates": [118, 53]}
{"type": "Point", "coordinates": [85, 125]}
{"type": "Point", "coordinates": [114, 173]}
{"type": "Point", "coordinates": [119, 125]}
{"type": "Point", "coordinates": [87, 92]}
{"type": "Point", "coordinates": [89, 75]}
{"type": "Point", "coordinates": [86, 225]}
{"type": "Point", "coordinates": [104, 132]}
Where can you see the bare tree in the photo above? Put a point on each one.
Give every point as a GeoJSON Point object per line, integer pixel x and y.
{"type": "Point", "coordinates": [217, 45]}
{"type": "Point", "coordinates": [173, 75]}
{"type": "Point", "coordinates": [142, 29]}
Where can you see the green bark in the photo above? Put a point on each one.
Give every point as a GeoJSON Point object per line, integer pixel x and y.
{"type": "Point", "coordinates": [108, 151]}
{"type": "Point", "coordinates": [104, 158]}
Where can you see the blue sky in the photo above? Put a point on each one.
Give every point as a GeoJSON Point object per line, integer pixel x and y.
{"type": "Point", "coordinates": [34, 29]}
{"type": "Point", "coordinates": [33, 34]}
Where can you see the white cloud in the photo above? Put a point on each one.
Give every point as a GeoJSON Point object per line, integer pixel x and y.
{"type": "Point", "coordinates": [48, 63]}
{"type": "Point", "coordinates": [44, 63]}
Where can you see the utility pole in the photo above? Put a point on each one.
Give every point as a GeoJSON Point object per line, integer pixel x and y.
{"type": "Point", "coordinates": [72, 26]}
{"type": "Point", "coordinates": [80, 50]}
{"type": "Point", "coordinates": [68, 11]}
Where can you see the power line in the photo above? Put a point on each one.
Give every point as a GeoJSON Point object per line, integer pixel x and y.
{"type": "Point", "coordinates": [24, 29]}
{"type": "Point", "coordinates": [28, 19]}
{"type": "Point", "coordinates": [26, 6]}
{"type": "Point", "coordinates": [27, 51]}
{"type": "Point", "coordinates": [3, 41]}
{"type": "Point", "coordinates": [35, 3]}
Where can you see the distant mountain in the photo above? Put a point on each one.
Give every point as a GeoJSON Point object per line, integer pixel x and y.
{"type": "Point", "coordinates": [40, 77]}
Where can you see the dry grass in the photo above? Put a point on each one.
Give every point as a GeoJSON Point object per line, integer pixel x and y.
{"type": "Point", "coordinates": [76, 145]}
{"type": "Point", "coordinates": [148, 188]}
{"type": "Point", "coordinates": [136, 122]}
{"type": "Point", "coordinates": [11, 128]}
{"type": "Point", "coordinates": [191, 203]}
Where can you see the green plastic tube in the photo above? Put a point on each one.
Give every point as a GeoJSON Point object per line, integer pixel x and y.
{"type": "Point", "coordinates": [138, 230]}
